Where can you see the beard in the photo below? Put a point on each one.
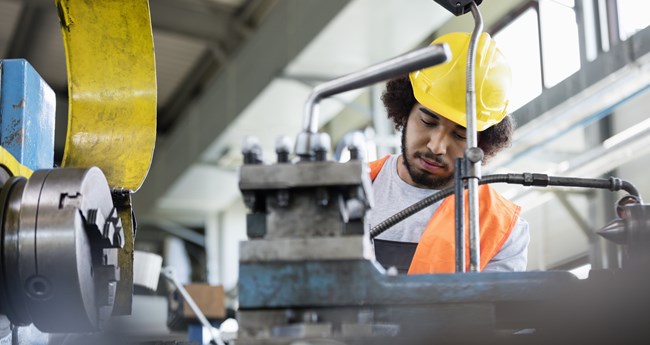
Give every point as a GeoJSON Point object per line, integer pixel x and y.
{"type": "Point", "coordinates": [423, 178]}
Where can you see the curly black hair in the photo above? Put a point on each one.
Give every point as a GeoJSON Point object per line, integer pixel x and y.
{"type": "Point", "coordinates": [399, 100]}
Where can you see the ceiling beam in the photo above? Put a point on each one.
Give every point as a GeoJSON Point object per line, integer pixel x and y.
{"type": "Point", "coordinates": [172, 111]}
{"type": "Point", "coordinates": [290, 26]}
{"type": "Point", "coordinates": [178, 17]}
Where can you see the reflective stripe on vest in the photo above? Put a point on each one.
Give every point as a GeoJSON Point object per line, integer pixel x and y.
{"type": "Point", "coordinates": [436, 252]}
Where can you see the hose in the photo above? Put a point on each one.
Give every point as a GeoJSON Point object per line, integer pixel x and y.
{"type": "Point", "coordinates": [526, 179]}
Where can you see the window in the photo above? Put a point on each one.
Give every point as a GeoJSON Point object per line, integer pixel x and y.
{"type": "Point", "coordinates": [519, 42]}
{"type": "Point", "coordinates": [632, 16]}
{"type": "Point", "coordinates": [560, 44]}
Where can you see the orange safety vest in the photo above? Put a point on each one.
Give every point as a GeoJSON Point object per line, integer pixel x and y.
{"type": "Point", "coordinates": [436, 251]}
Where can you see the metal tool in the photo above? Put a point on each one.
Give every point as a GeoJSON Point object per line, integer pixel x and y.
{"type": "Point", "coordinates": [168, 273]}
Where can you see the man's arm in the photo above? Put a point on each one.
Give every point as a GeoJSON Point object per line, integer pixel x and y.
{"type": "Point", "coordinates": [513, 256]}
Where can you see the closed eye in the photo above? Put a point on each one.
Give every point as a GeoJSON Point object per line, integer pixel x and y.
{"type": "Point", "coordinates": [428, 123]}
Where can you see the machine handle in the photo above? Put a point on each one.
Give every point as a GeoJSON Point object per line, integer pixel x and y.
{"type": "Point", "coordinates": [415, 60]}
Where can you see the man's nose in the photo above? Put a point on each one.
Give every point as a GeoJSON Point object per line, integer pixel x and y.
{"type": "Point", "coordinates": [438, 144]}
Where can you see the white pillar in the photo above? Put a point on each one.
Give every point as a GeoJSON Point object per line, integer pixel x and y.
{"type": "Point", "coordinates": [213, 248]}
{"type": "Point", "coordinates": [175, 255]}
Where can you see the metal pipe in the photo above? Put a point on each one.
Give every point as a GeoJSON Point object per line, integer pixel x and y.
{"type": "Point", "coordinates": [474, 173]}
{"type": "Point", "coordinates": [415, 60]}
{"type": "Point", "coordinates": [459, 213]}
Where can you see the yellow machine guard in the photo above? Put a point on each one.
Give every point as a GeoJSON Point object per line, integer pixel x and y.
{"type": "Point", "coordinates": [112, 88]}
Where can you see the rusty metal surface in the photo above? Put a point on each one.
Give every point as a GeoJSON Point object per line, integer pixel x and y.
{"type": "Point", "coordinates": [353, 282]}
{"type": "Point", "coordinates": [124, 292]}
{"type": "Point", "coordinates": [27, 105]}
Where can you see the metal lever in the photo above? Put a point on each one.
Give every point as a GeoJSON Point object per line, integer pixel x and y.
{"type": "Point", "coordinates": [418, 59]}
{"type": "Point", "coordinates": [168, 272]}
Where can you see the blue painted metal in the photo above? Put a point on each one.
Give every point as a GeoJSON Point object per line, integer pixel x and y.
{"type": "Point", "coordinates": [360, 282]}
{"type": "Point", "coordinates": [27, 114]}
{"type": "Point", "coordinates": [195, 333]}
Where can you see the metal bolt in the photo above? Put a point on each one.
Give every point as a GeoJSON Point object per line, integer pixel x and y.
{"type": "Point", "coordinates": [283, 148]}
{"type": "Point", "coordinates": [249, 199]}
{"type": "Point", "coordinates": [392, 271]}
{"type": "Point", "coordinates": [38, 287]}
{"type": "Point", "coordinates": [474, 154]}
{"type": "Point", "coordinates": [321, 146]}
{"type": "Point", "coordinates": [309, 317]}
{"type": "Point", "coordinates": [322, 197]}
{"type": "Point", "coordinates": [283, 198]}
{"type": "Point", "coordinates": [357, 145]}
{"type": "Point", "coordinates": [251, 150]}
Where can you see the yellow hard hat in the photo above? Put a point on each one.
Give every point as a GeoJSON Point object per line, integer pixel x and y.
{"type": "Point", "coordinates": [442, 88]}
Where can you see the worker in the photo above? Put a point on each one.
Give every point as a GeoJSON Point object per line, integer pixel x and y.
{"type": "Point", "coordinates": [428, 106]}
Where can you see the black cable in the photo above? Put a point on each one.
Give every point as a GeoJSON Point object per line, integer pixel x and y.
{"type": "Point", "coordinates": [527, 179]}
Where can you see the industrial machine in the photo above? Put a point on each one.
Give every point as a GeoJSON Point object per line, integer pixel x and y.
{"type": "Point", "coordinates": [308, 275]}
{"type": "Point", "coordinates": [67, 233]}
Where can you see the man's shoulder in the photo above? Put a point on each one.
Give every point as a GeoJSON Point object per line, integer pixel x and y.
{"type": "Point", "coordinates": [376, 166]}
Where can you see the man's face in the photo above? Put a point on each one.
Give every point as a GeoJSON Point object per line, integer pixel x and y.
{"type": "Point", "coordinates": [430, 145]}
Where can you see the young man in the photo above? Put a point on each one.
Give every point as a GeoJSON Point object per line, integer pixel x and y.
{"type": "Point", "coordinates": [428, 106]}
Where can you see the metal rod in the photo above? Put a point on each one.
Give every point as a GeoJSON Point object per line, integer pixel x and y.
{"type": "Point", "coordinates": [168, 272]}
{"type": "Point", "coordinates": [459, 214]}
{"type": "Point", "coordinates": [474, 173]}
{"type": "Point", "coordinates": [415, 60]}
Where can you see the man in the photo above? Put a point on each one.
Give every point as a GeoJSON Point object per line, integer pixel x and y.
{"type": "Point", "coordinates": [428, 106]}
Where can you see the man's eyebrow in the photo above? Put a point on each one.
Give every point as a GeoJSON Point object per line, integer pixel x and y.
{"type": "Point", "coordinates": [436, 116]}
{"type": "Point", "coordinates": [428, 112]}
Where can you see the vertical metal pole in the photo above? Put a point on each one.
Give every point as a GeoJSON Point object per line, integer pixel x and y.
{"type": "Point", "coordinates": [459, 214]}
{"type": "Point", "coordinates": [474, 173]}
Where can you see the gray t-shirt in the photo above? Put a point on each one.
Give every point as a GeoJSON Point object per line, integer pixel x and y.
{"type": "Point", "coordinates": [392, 195]}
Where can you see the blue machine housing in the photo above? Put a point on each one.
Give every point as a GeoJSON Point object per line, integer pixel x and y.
{"type": "Point", "coordinates": [27, 114]}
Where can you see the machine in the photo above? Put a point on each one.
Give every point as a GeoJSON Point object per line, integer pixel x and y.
{"type": "Point", "coordinates": [67, 233]}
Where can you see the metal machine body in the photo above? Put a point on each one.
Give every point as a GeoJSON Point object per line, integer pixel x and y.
{"type": "Point", "coordinates": [27, 109]}
{"type": "Point", "coordinates": [59, 228]}
{"type": "Point", "coordinates": [310, 281]}
{"type": "Point", "coordinates": [61, 235]}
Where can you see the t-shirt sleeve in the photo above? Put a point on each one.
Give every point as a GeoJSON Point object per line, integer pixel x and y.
{"type": "Point", "coordinates": [513, 256]}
